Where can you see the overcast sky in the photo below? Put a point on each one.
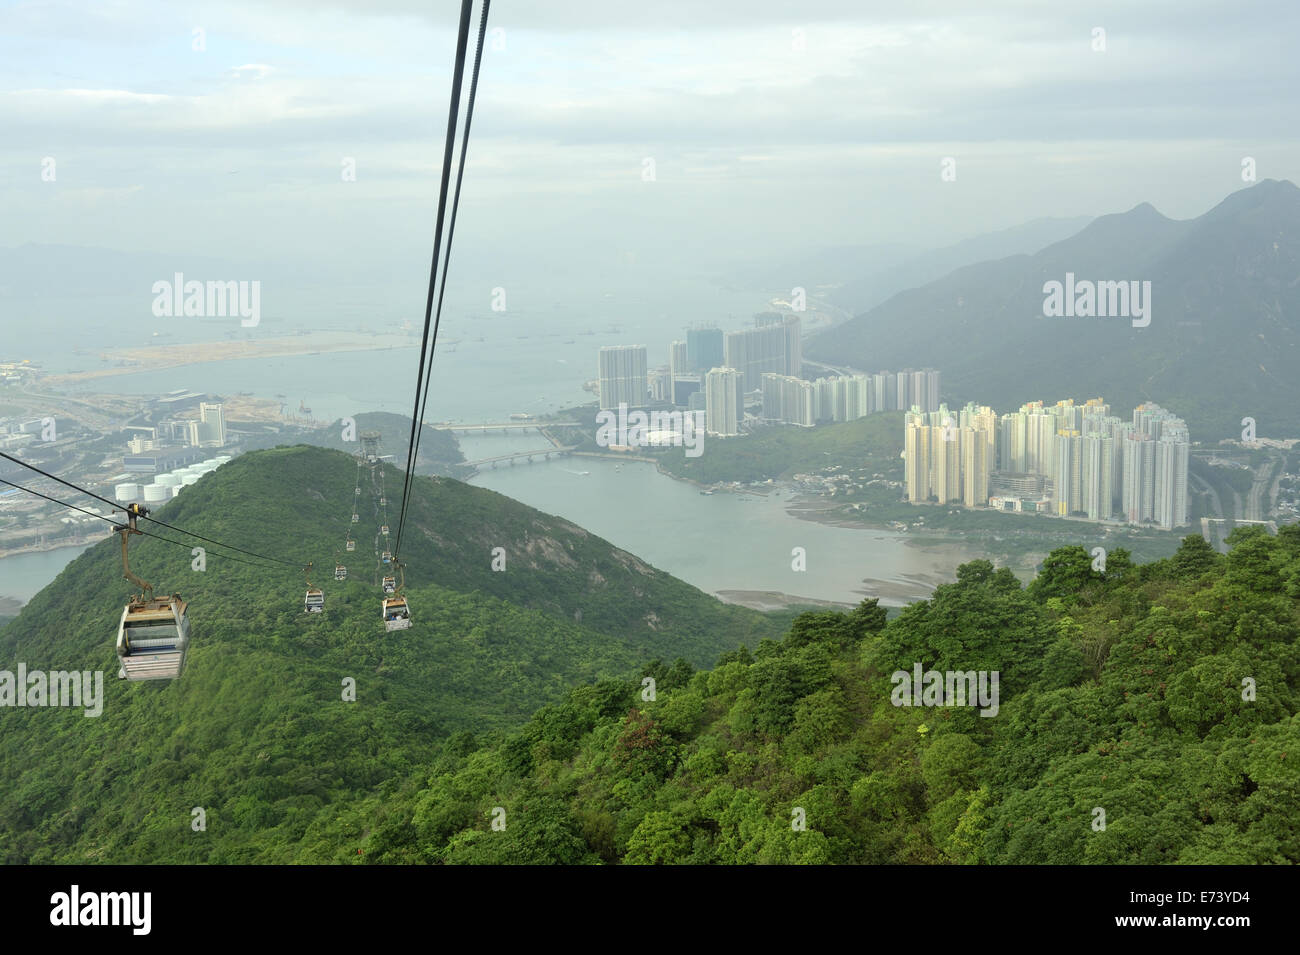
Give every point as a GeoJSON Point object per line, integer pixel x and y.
{"type": "Point", "coordinates": [775, 127]}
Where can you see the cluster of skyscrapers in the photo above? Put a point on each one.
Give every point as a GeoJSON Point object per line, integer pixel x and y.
{"type": "Point", "coordinates": [788, 399]}
{"type": "Point", "coordinates": [711, 370]}
{"type": "Point", "coordinates": [715, 372]}
{"type": "Point", "coordinates": [1063, 459]}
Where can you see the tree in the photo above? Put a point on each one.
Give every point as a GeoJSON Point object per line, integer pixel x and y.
{"type": "Point", "coordinates": [975, 573]}
{"type": "Point", "coordinates": [658, 840]}
{"type": "Point", "coordinates": [1066, 571]}
{"type": "Point", "coordinates": [819, 626]}
{"type": "Point", "coordinates": [1250, 560]}
{"type": "Point", "coordinates": [642, 748]}
{"type": "Point", "coordinates": [868, 617]}
{"type": "Point", "coordinates": [1194, 557]}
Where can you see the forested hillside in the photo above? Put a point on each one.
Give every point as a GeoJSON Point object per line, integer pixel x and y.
{"type": "Point", "coordinates": [1146, 715]}
{"type": "Point", "coordinates": [256, 731]}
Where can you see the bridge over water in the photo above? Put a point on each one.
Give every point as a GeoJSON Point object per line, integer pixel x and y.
{"type": "Point", "coordinates": [544, 454]}
{"type": "Point", "coordinates": [504, 427]}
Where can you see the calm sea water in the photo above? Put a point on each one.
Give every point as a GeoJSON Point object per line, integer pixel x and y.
{"type": "Point", "coordinates": [23, 575]}
{"type": "Point", "coordinates": [723, 541]}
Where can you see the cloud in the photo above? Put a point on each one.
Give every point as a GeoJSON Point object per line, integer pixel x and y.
{"type": "Point", "coordinates": [834, 132]}
{"type": "Point", "coordinates": [255, 71]}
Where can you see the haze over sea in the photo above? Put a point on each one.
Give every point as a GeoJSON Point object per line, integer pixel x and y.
{"type": "Point", "coordinates": [532, 357]}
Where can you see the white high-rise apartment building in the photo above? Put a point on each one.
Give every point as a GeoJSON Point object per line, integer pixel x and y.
{"type": "Point", "coordinates": [1173, 451]}
{"type": "Point", "coordinates": [916, 451]}
{"type": "Point", "coordinates": [721, 413]}
{"type": "Point", "coordinates": [678, 362]}
{"type": "Point", "coordinates": [1098, 455]}
{"type": "Point", "coordinates": [623, 377]}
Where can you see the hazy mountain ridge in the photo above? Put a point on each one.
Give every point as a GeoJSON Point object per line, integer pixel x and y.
{"type": "Point", "coordinates": [901, 272]}
{"type": "Point", "coordinates": [1222, 343]}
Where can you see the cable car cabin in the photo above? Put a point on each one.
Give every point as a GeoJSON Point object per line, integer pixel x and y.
{"type": "Point", "coordinates": [356, 492]}
{"type": "Point", "coordinates": [314, 602]}
{"type": "Point", "coordinates": [340, 572]}
{"type": "Point", "coordinates": [383, 502]}
{"type": "Point", "coordinates": [152, 639]}
{"type": "Point", "coordinates": [384, 530]}
{"type": "Point", "coordinates": [355, 519]}
{"type": "Point", "coordinates": [397, 615]}
{"type": "Point", "coordinates": [386, 557]}
{"type": "Point", "coordinates": [390, 585]}
{"type": "Point", "coordinates": [352, 545]}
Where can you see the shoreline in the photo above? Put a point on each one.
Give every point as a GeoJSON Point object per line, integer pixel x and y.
{"type": "Point", "coordinates": [764, 600]}
{"type": "Point", "coordinates": [22, 552]}
{"type": "Point", "coordinates": [894, 594]}
{"type": "Point", "coordinates": [159, 357]}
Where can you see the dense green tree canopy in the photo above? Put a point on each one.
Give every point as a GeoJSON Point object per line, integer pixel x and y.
{"type": "Point", "coordinates": [1144, 713]}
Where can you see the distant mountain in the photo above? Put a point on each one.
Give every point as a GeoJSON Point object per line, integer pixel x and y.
{"type": "Point", "coordinates": [884, 278]}
{"type": "Point", "coordinates": [1221, 344]}
{"type": "Point", "coordinates": [439, 450]}
{"type": "Point", "coordinates": [830, 265]}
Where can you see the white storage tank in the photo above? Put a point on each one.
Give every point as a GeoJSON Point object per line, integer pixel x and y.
{"type": "Point", "coordinates": [189, 479]}
{"type": "Point", "coordinates": [221, 458]}
{"type": "Point", "coordinates": [207, 467]}
{"type": "Point", "coordinates": [156, 493]}
{"type": "Point", "coordinates": [128, 492]}
{"type": "Point", "coordinates": [171, 479]}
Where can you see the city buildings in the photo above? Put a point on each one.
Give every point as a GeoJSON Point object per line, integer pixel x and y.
{"type": "Point", "coordinates": [1067, 460]}
{"type": "Point", "coordinates": [723, 410]}
{"type": "Point", "coordinates": [661, 384]}
{"type": "Point", "coordinates": [210, 430]}
{"type": "Point", "coordinates": [679, 359]}
{"type": "Point", "coordinates": [843, 397]}
{"type": "Point", "coordinates": [768, 361]}
{"type": "Point", "coordinates": [767, 348]}
{"type": "Point", "coordinates": [623, 378]}
{"type": "Point", "coordinates": [703, 349]}
{"type": "Point", "coordinates": [789, 400]}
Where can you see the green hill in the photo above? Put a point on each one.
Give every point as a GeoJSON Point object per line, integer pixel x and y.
{"type": "Point", "coordinates": [1147, 714]}
{"type": "Point", "coordinates": [256, 731]}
